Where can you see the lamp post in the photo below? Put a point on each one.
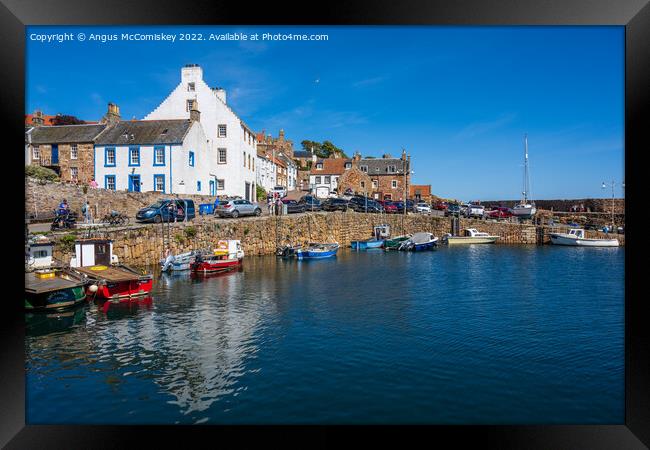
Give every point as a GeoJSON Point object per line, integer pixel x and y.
{"type": "Point", "coordinates": [612, 185]}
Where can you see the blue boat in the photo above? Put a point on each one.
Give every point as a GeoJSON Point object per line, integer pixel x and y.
{"type": "Point", "coordinates": [370, 243]}
{"type": "Point", "coordinates": [419, 242]}
{"type": "Point", "coordinates": [317, 251]}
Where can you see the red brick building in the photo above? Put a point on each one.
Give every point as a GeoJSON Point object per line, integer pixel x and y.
{"type": "Point", "coordinates": [389, 176]}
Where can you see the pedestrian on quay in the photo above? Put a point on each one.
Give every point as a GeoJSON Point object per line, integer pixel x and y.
{"type": "Point", "coordinates": [278, 205]}
{"type": "Point", "coordinates": [171, 209]}
{"type": "Point", "coordinates": [269, 202]}
{"type": "Point", "coordinates": [180, 212]}
{"type": "Point", "coordinates": [85, 210]}
{"type": "Point", "coordinates": [93, 183]}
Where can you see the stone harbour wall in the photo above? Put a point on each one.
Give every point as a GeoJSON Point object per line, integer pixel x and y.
{"type": "Point", "coordinates": [143, 245]}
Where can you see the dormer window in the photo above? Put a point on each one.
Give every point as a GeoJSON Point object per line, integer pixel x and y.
{"type": "Point", "coordinates": [348, 165]}
{"type": "Point", "coordinates": [391, 169]}
{"type": "Point", "coordinates": [319, 165]}
{"type": "Point", "coordinates": [363, 168]}
{"type": "Point", "coordinates": [190, 87]}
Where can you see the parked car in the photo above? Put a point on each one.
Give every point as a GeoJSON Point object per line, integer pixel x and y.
{"type": "Point", "coordinates": [423, 207]}
{"type": "Point", "coordinates": [236, 208]}
{"type": "Point", "coordinates": [453, 209]}
{"type": "Point", "coordinates": [293, 206]}
{"type": "Point", "coordinates": [440, 206]}
{"type": "Point", "coordinates": [336, 204]}
{"type": "Point", "coordinates": [389, 207]}
{"type": "Point", "coordinates": [311, 203]}
{"type": "Point", "coordinates": [363, 204]}
{"type": "Point", "coordinates": [501, 212]}
{"type": "Point", "coordinates": [160, 211]}
{"type": "Point", "coordinates": [281, 190]}
{"type": "Point", "coordinates": [470, 210]}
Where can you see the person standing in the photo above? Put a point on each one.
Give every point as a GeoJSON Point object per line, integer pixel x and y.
{"type": "Point", "coordinates": [269, 202]}
{"type": "Point", "coordinates": [93, 183]}
{"type": "Point", "coordinates": [85, 210]}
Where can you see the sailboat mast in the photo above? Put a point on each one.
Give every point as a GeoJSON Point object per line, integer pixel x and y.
{"type": "Point", "coordinates": [525, 168]}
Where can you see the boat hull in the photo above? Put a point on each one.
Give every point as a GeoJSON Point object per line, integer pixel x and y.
{"type": "Point", "coordinates": [454, 240]}
{"type": "Point", "coordinates": [363, 245]}
{"type": "Point", "coordinates": [123, 289]}
{"type": "Point", "coordinates": [559, 239]}
{"type": "Point", "coordinates": [423, 247]}
{"type": "Point", "coordinates": [206, 267]}
{"type": "Point", "coordinates": [524, 212]}
{"type": "Point", "coordinates": [55, 300]}
{"type": "Point", "coordinates": [393, 244]}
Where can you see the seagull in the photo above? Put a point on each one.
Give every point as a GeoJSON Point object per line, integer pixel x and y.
{"type": "Point", "coordinates": [317, 80]}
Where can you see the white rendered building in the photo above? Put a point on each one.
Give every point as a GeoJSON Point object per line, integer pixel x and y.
{"type": "Point", "coordinates": [167, 156]}
{"type": "Point", "coordinates": [266, 172]}
{"type": "Point", "coordinates": [232, 143]}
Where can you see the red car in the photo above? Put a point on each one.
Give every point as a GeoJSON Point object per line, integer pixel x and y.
{"type": "Point", "coordinates": [500, 213]}
{"type": "Point", "coordinates": [389, 207]}
{"type": "Point", "coordinates": [440, 206]}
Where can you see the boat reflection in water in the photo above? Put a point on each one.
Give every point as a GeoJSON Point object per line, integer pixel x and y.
{"type": "Point", "coordinates": [123, 306]}
{"type": "Point", "coordinates": [198, 276]}
{"type": "Point", "coordinates": [42, 323]}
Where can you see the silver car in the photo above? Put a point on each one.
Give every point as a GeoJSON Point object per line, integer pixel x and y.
{"type": "Point", "coordinates": [236, 208]}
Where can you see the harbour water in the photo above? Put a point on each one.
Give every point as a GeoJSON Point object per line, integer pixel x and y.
{"type": "Point", "coordinates": [485, 334]}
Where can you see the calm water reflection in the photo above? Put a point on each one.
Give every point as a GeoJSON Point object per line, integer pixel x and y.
{"type": "Point", "coordinates": [485, 334]}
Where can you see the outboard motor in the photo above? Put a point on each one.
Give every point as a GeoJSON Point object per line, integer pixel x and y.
{"type": "Point", "coordinates": [167, 264]}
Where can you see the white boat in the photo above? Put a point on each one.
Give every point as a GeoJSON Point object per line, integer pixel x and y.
{"type": "Point", "coordinates": [177, 262]}
{"type": "Point", "coordinates": [576, 237]}
{"type": "Point", "coordinates": [472, 236]}
{"type": "Point", "coordinates": [525, 209]}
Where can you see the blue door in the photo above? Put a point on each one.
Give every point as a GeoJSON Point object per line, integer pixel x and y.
{"type": "Point", "coordinates": [212, 191]}
{"type": "Point", "coordinates": [55, 154]}
{"type": "Point", "coordinates": [134, 183]}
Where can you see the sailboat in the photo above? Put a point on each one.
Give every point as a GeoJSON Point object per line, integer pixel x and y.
{"type": "Point", "coordinates": [525, 209]}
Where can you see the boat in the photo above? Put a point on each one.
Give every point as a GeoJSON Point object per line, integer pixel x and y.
{"type": "Point", "coordinates": [49, 287]}
{"type": "Point", "coordinates": [317, 251]}
{"type": "Point", "coordinates": [228, 255]}
{"type": "Point", "coordinates": [576, 237]}
{"type": "Point", "coordinates": [108, 279]}
{"type": "Point", "coordinates": [369, 243]}
{"type": "Point", "coordinates": [472, 236]}
{"type": "Point", "coordinates": [419, 242]}
{"type": "Point", "coordinates": [287, 251]}
{"type": "Point", "coordinates": [178, 262]}
{"type": "Point", "coordinates": [394, 243]}
{"type": "Point", "coordinates": [525, 209]}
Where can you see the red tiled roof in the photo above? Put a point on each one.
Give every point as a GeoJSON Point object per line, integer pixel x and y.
{"type": "Point", "coordinates": [331, 166]}
{"type": "Point", "coordinates": [47, 120]}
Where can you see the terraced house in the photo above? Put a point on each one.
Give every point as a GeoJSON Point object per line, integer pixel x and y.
{"type": "Point", "coordinates": [66, 149]}
{"type": "Point", "coordinates": [167, 156]}
{"type": "Point", "coordinates": [231, 145]}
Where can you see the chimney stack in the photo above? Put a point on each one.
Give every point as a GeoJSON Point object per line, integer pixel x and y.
{"type": "Point", "coordinates": [37, 118]}
{"type": "Point", "coordinates": [112, 115]}
{"type": "Point", "coordinates": [195, 114]}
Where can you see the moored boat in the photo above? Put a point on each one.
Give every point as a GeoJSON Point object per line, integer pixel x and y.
{"type": "Point", "coordinates": [49, 287]}
{"type": "Point", "coordinates": [394, 243]}
{"type": "Point", "coordinates": [107, 278]}
{"type": "Point", "coordinates": [177, 262]}
{"type": "Point", "coordinates": [472, 236]}
{"type": "Point", "coordinates": [369, 243]}
{"type": "Point", "coordinates": [419, 242]}
{"type": "Point", "coordinates": [525, 209]}
{"type": "Point", "coordinates": [576, 237]}
{"type": "Point", "coordinates": [317, 251]}
{"type": "Point", "coordinates": [228, 255]}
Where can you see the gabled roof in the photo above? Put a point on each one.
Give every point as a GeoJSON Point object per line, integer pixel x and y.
{"type": "Point", "coordinates": [145, 132]}
{"type": "Point", "coordinates": [379, 166]}
{"type": "Point", "coordinates": [331, 166]}
{"type": "Point", "coordinates": [64, 134]}
{"type": "Point", "coordinates": [47, 119]}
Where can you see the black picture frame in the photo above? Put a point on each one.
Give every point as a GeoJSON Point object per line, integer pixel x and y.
{"type": "Point", "coordinates": [633, 14]}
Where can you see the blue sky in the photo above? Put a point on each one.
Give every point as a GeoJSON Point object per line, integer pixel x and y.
{"type": "Point", "coordinates": [458, 99]}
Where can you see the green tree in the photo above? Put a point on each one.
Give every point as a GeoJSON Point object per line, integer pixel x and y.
{"type": "Point", "coordinates": [261, 193]}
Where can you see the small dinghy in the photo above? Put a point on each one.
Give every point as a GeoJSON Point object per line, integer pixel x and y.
{"type": "Point", "coordinates": [394, 243]}
{"type": "Point", "coordinates": [576, 237]}
{"type": "Point", "coordinates": [369, 243]}
{"type": "Point", "coordinates": [419, 242]}
{"type": "Point", "coordinates": [317, 251]}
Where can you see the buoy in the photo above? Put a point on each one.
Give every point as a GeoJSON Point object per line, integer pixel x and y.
{"type": "Point", "coordinates": [93, 288]}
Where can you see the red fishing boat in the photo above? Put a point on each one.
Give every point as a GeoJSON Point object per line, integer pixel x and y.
{"type": "Point", "coordinates": [107, 278]}
{"type": "Point", "coordinates": [228, 255]}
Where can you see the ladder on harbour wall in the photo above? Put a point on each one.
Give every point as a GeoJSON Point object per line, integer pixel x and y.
{"type": "Point", "coordinates": [455, 226]}
{"type": "Point", "coordinates": [165, 233]}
